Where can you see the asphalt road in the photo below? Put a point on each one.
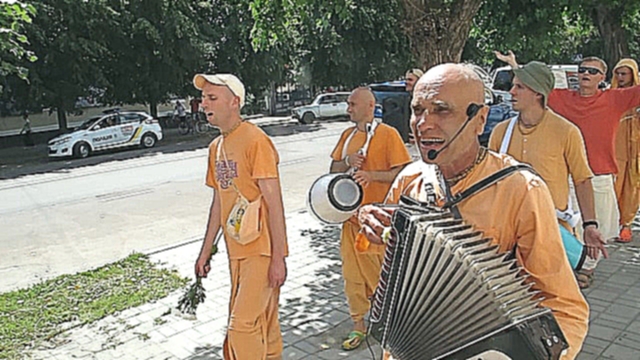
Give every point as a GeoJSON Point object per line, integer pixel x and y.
{"type": "Point", "coordinates": [62, 217]}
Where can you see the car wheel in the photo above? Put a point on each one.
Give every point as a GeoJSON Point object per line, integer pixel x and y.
{"type": "Point", "coordinates": [307, 118]}
{"type": "Point", "coordinates": [148, 140]}
{"type": "Point", "coordinates": [81, 150]}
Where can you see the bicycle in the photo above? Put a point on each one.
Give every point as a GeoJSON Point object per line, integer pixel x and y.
{"type": "Point", "coordinates": [185, 125]}
{"type": "Point", "coordinates": [202, 126]}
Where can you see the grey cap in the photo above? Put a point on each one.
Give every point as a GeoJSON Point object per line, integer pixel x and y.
{"type": "Point", "coordinates": [538, 77]}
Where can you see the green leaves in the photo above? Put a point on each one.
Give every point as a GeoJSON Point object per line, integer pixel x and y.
{"type": "Point", "coordinates": [30, 316]}
{"type": "Point", "coordinates": [13, 17]}
{"type": "Point", "coordinates": [552, 31]}
{"type": "Point", "coordinates": [328, 43]}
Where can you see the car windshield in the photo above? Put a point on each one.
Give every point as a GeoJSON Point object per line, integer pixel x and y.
{"type": "Point", "coordinates": [85, 125]}
{"type": "Point", "coordinates": [317, 100]}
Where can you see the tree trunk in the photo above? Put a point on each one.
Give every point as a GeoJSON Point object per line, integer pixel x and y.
{"type": "Point", "coordinates": [437, 32]}
{"type": "Point", "coordinates": [153, 109]}
{"type": "Point", "coordinates": [608, 20]}
{"type": "Point", "coordinates": [272, 98]}
{"type": "Point", "coordinates": [62, 117]}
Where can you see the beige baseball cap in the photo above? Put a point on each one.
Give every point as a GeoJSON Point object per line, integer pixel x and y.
{"type": "Point", "coordinates": [231, 81]}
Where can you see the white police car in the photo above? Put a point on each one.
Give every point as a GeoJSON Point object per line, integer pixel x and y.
{"type": "Point", "coordinates": [108, 131]}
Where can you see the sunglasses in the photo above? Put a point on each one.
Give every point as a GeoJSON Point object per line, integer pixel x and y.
{"type": "Point", "coordinates": [590, 70]}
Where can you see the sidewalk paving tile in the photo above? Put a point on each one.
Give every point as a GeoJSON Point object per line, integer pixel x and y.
{"type": "Point", "coordinates": [314, 314]}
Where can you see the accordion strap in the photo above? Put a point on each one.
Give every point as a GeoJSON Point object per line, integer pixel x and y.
{"type": "Point", "coordinates": [485, 183]}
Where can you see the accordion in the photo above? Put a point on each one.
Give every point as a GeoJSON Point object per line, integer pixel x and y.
{"type": "Point", "coordinates": [446, 293]}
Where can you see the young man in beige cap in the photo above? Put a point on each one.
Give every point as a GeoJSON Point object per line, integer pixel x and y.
{"type": "Point", "coordinates": [552, 146]}
{"type": "Point", "coordinates": [243, 165]}
{"type": "Point", "coordinates": [625, 74]}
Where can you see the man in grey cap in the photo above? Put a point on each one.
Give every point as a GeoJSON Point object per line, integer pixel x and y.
{"type": "Point", "coordinates": [553, 146]}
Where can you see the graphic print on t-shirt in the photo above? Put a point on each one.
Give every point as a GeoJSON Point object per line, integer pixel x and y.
{"type": "Point", "coordinates": [225, 174]}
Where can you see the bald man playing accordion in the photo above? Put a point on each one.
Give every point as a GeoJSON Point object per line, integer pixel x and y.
{"type": "Point", "coordinates": [517, 212]}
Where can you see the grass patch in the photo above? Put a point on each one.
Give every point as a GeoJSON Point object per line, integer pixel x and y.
{"type": "Point", "coordinates": [30, 316]}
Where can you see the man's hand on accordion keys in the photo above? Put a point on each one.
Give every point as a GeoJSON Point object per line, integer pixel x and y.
{"type": "Point", "coordinates": [375, 222]}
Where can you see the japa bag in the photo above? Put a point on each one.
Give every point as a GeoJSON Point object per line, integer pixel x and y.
{"type": "Point", "coordinates": [243, 224]}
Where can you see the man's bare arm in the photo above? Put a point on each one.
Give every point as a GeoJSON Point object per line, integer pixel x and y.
{"type": "Point", "coordinates": [272, 195]}
{"type": "Point", "coordinates": [213, 226]}
{"type": "Point", "coordinates": [338, 166]}
{"type": "Point", "coordinates": [510, 58]}
{"type": "Point", "coordinates": [592, 237]}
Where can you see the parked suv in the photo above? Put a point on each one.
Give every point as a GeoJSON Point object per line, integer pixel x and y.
{"type": "Point", "coordinates": [108, 131]}
{"type": "Point", "coordinates": [324, 106]}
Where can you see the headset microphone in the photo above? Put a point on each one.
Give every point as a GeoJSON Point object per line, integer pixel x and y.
{"type": "Point", "coordinates": [472, 111]}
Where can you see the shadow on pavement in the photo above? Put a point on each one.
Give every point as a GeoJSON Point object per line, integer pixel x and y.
{"type": "Point", "coordinates": [314, 315]}
{"type": "Point", "coordinates": [294, 127]}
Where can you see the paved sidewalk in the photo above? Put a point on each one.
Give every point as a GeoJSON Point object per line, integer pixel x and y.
{"type": "Point", "coordinates": [313, 310]}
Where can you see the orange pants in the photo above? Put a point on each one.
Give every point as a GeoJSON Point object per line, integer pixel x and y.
{"type": "Point", "coordinates": [360, 270]}
{"type": "Point", "coordinates": [253, 332]}
{"type": "Point", "coordinates": [627, 194]}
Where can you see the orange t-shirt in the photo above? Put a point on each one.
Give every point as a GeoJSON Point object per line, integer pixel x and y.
{"type": "Point", "coordinates": [251, 156]}
{"type": "Point", "coordinates": [516, 210]}
{"type": "Point", "coordinates": [554, 148]}
{"type": "Point", "coordinates": [598, 118]}
{"type": "Point", "coordinates": [386, 151]}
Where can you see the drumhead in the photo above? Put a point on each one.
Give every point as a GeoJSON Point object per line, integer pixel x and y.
{"type": "Point", "coordinates": [345, 193]}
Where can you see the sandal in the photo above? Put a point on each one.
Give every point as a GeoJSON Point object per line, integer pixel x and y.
{"type": "Point", "coordinates": [584, 278]}
{"type": "Point", "coordinates": [625, 235]}
{"type": "Point", "coordinates": [354, 340]}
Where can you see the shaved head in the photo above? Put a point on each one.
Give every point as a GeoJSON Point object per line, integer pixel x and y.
{"type": "Point", "coordinates": [451, 74]}
{"type": "Point", "coordinates": [362, 104]}
{"type": "Point", "coordinates": [364, 94]}
{"type": "Point", "coordinates": [440, 102]}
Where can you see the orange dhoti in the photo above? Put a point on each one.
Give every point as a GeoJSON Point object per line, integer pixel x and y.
{"type": "Point", "coordinates": [360, 270]}
{"type": "Point", "coordinates": [254, 330]}
{"type": "Point", "coordinates": [627, 194]}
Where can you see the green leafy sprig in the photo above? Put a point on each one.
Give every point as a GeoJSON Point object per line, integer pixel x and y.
{"type": "Point", "coordinates": [195, 294]}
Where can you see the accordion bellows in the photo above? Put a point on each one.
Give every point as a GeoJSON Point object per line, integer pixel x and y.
{"type": "Point", "coordinates": [446, 293]}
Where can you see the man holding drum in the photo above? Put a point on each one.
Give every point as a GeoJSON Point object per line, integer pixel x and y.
{"type": "Point", "coordinates": [386, 155]}
{"type": "Point", "coordinates": [517, 212]}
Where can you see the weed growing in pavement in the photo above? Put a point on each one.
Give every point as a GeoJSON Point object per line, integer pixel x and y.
{"type": "Point", "coordinates": [39, 313]}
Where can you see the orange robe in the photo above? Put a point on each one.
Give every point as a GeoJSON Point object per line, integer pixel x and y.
{"type": "Point", "coordinates": [555, 150]}
{"type": "Point", "coordinates": [361, 270]}
{"type": "Point", "coordinates": [628, 156]}
{"type": "Point", "coordinates": [253, 330]}
{"type": "Point", "coordinates": [517, 210]}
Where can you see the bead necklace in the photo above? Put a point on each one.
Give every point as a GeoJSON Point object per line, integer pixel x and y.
{"type": "Point", "coordinates": [227, 133]}
{"type": "Point", "coordinates": [481, 155]}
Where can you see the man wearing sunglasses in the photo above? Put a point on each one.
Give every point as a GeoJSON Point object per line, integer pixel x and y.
{"type": "Point", "coordinates": [597, 114]}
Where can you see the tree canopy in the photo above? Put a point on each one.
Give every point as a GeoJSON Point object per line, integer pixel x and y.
{"type": "Point", "coordinates": [147, 51]}
{"type": "Point", "coordinates": [13, 16]}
